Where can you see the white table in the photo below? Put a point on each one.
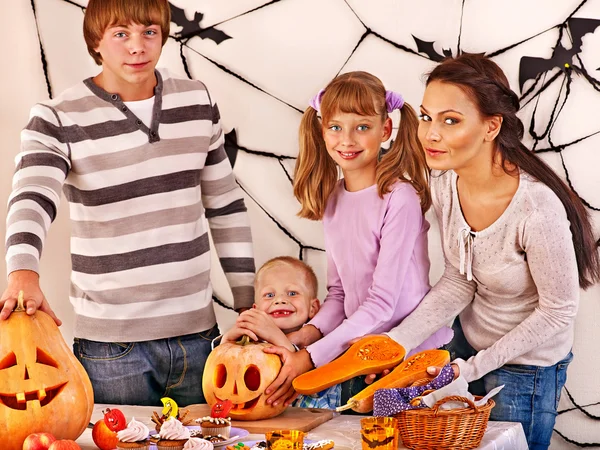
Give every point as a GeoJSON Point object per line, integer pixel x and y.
{"type": "Point", "coordinates": [343, 429]}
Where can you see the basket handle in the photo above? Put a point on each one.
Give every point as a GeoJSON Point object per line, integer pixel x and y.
{"type": "Point", "coordinates": [453, 398]}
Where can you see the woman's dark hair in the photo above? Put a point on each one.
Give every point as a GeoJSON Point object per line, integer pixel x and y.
{"type": "Point", "coordinates": [485, 83]}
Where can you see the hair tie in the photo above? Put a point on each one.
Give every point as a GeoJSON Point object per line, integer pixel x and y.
{"type": "Point", "coordinates": [315, 102]}
{"type": "Point", "coordinates": [393, 100]}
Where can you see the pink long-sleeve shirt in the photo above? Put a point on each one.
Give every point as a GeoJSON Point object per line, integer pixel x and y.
{"type": "Point", "coordinates": [377, 267]}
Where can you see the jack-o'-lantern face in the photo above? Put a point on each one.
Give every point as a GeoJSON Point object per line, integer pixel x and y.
{"type": "Point", "coordinates": [43, 388]}
{"type": "Point", "coordinates": [22, 381]}
{"type": "Point", "coordinates": [241, 373]}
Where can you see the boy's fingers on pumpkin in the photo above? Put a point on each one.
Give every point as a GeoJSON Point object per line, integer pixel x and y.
{"type": "Point", "coordinates": [279, 395]}
{"type": "Point", "coordinates": [240, 331]}
{"type": "Point", "coordinates": [9, 305]}
{"type": "Point", "coordinates": [290, 396]}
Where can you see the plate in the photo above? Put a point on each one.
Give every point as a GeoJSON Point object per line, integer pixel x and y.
{"type": "Point", "coordinates": [236, 435]}
{"type": "Point", "coordinates": [251, 443]}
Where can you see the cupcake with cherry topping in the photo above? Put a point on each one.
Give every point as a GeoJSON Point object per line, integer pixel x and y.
{"type": "Point", "coordinates": [134, 436]}
{"type": "Point", "coordinates": [217, 423]}
{"type": "Point", "coordinates": [173, 435]}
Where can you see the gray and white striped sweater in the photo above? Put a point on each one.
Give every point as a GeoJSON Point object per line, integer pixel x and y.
{"type": "Point", "coordinates": [139, 198]}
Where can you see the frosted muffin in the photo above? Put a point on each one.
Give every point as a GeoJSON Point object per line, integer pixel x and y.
{"type": "Point", "coordinates": [214, 426]}
{"type": "Point", "coordinates": [173, 435]}
{"type": "Point", "coordinates": [198, 444]}
{"type": "Point", "coordinates": [135, 436]}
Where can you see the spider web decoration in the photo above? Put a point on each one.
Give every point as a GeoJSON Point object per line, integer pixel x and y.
{"type": "Point", "coordinates": [263, 60]}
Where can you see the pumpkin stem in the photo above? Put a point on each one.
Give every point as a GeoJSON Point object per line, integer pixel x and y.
{"type": "Point", "coordinates": [20, 302]}
{"type": "Point", "coordinates": [351, 404]}
{"type": "Point", "coordinates": [245, 340]}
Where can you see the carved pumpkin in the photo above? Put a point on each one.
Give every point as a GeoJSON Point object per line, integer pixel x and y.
{"type": "Point", "coordinates": [43, 387]}
{"type": "Point", "coordinates": [241, 372]}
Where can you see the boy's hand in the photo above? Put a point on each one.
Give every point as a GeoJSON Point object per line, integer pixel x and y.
{"type": "Point", "coordinates": [263, 326]}
{"type": "Point", "coordinates": [294, 364]}
{"type": "Point", "coordinates": [34, 299]}
{"type": "Point", "coordinates": [305, 336]}
{"type": "Point", "coordinates": [236, 332]}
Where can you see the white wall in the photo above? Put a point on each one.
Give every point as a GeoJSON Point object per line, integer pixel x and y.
{"type": "Point", "coordinates": [290, 50]}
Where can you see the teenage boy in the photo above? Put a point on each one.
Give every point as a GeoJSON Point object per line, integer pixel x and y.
{"type": "Point", "coordinates": [139, 155]}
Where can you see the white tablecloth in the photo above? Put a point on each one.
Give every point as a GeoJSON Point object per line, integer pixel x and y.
{"type": "Point", "coordinates": [343, 429]}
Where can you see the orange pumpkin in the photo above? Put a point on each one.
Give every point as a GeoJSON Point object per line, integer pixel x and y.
{"type": "Point", "coordinates": [370, 354]}
{"type": "Point", "coordinates": [240, 372]}
{"type": "Point", "coordinates": [43, 387]}
{"type": "Point", "coordinates": [406, 373]}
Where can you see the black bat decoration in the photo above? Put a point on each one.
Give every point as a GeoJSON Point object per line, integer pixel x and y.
{"type": "Point", "coordinates": [191, 28]}
{"type": "Point", "coordinates": [231, 147]}
{"type": "Point", "coordinates": [377, 443]}
{"type": "Point", "coordinates": [427, 48]}
{"type": "Point", "coordinates": [531, 66]}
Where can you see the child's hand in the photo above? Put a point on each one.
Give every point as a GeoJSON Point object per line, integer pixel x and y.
{"type": "Point", "coordinates": [294, 364]}
{"type": "Point", "coordinates": [305, 336]}
{"type": "Point", "coordinates": [263, 326]}
{"type": "Point", "coordinates": [236, 332]}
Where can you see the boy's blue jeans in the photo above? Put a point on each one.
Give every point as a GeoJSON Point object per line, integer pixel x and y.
{"type": "Point", "coordinates": [141, 373]}
{"type": "Point", "coordinates": [530, 395]}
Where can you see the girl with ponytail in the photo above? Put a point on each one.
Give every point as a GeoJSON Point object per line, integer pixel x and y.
{"type": "Point", "coordinates": [517, 242]}
{"type": "Point", "coordinates": [375, 231]}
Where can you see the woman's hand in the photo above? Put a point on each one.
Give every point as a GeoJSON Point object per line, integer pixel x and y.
{"type": "Point", "coordinates": [294, 364]}
{"type": "Point", "coordinates": [435, 371]}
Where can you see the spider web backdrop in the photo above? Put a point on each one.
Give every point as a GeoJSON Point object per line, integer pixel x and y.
{"type": "Point", "coordinates": [263, 60]}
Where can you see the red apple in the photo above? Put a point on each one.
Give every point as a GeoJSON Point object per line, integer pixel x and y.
{"type": "Point", "coordinates": [64, 444]}
{"type": "Point", "coordinates": [104, 437]}
{"type": "Point", "coordinates": [38, 441]}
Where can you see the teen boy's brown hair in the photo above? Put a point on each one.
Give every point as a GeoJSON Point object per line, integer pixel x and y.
{"type": "Point", "coordinates": [101, 14]}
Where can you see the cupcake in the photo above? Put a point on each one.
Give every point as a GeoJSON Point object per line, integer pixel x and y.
{"type": "Point", "coordinates": [135, 436]}
{"type": "Point", "coordinates": [198, 444]}
{"type": "Point", "coordinates": [172, 435]}
{"type": "Point", "coordinates": [214, 426]}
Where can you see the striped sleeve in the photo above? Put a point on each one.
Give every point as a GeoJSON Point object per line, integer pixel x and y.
{"type": "Point", "coordinates": [227, 217]}
{"type": "Point", "coordinates": [41, 168]}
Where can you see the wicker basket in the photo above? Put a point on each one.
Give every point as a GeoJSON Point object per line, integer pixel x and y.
{"type": "Point", "coordinates": [446, 429]}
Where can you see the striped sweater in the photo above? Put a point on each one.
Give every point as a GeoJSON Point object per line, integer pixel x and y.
{"type": "Point", "coordinates": [139, 202]}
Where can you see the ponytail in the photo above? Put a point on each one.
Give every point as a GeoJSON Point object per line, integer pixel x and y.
{"type": "Point", "coordinates": [405, 160]}
{"type": "Point", "coordinates": [316, 173]}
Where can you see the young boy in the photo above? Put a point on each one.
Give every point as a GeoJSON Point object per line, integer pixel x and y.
{"type": "Point", "coordinates": [285, 298]}
{"type": "Point", "coordinates": [139, 155]}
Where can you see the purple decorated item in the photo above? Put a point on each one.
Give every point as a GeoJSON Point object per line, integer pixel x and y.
{"type": "Point", "coordinates": [315, 102]}
{"type": "Point", "coordinates": [393, 100]}
{"type": "Point", "coordinates": [388, 402]}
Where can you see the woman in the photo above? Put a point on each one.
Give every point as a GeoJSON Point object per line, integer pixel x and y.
{"type": "Point", "coordinates": [517, 243]}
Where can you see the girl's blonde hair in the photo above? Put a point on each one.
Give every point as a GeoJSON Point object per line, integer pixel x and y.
{"type": "Point", "coordinates": [316, 173]}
